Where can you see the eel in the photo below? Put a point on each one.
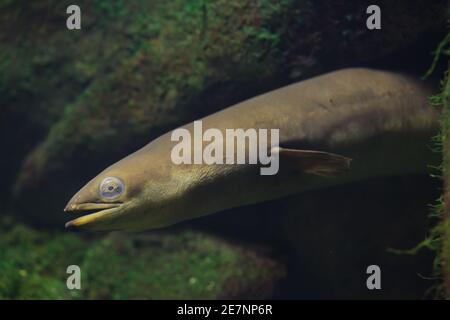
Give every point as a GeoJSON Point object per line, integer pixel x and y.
{"type": "Point", "coordinates": [381, 120]}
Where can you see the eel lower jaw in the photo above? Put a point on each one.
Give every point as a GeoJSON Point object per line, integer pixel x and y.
{"type": "Point", "coordinates": [95, 212]}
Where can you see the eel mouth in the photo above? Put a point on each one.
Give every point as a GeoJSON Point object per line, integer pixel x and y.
{"type": "Point", "coordinates": [92, 213]}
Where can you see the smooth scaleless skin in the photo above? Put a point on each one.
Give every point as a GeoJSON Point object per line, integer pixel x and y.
{"type": "Point", "coordinates": [379, 119]}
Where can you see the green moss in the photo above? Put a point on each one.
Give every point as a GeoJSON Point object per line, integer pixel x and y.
{"type": "Point", "coordinates": [186, 265]}
{"type": "Point", "coordinates": [438, 239]}
{"type": "Point", "coordinates": [444, 227]}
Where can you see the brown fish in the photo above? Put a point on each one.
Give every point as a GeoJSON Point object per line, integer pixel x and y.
{"type": "Point", "coordinates": [379, 119]}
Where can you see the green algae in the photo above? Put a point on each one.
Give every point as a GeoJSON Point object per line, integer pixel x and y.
{"type": "Point", "coordinates": [438, 239]}
{"type": "Point", "coordinates": [185, 265]}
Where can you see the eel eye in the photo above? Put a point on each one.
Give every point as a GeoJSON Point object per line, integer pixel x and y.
{"type": "Point", "coordinates": [111, 188]}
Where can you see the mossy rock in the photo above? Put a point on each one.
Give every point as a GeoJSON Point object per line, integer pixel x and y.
{"type": "Point", "coordinates": [440, 236]}
{"type": "Point", "coordinates": [184, 265]}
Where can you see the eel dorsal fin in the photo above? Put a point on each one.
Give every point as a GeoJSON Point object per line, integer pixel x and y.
{"type": "Point", "coordinates": [315, 162]}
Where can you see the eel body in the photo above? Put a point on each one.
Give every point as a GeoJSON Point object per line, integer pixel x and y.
{"type": "Point", "coordinates": [381, 120]}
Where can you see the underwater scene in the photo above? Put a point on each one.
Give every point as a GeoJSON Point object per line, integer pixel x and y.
{"type": "Point", "coordinates": [212, 149]}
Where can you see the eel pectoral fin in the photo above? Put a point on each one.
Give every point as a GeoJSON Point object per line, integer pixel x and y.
{"type": "Point", "coordinates": [315, 162]}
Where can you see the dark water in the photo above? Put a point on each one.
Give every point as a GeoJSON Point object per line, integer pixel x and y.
{"type": "Point", "coordinates": [328, 238]}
